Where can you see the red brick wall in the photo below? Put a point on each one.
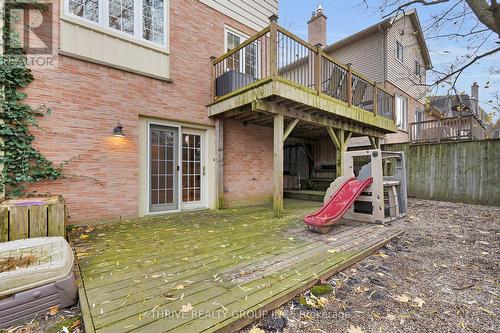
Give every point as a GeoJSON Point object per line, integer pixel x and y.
{"type": "Point", "coordinates": [248, 163]}
{"type": "Point", "coordinates": [88, 100]}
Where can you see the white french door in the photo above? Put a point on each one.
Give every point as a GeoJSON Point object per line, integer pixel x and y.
{"type": "Point", "coordinates": [176, 168]}
{"type": "Point", "coordinates": [192, 170]}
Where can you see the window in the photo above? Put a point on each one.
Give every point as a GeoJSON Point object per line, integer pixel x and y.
{"type": "Point", "coordinates": [153, 20]}
{"type": "Point", "coordinates": [418, 69]}
{"type": "Point", "coordinates": [245, 60]}
{"type": "Point", "coordinates": [121, 15]}
{"type": "Point", "coordinates": [233, 40]}
{"type": "Point", "coordinates": [399, 51]}
{"type": "Point", "coordinates": [142, 19]}
{"type": "Point", "coordinates": [401, 112]}
{"type": "Point", "coordinates": [87, 9]}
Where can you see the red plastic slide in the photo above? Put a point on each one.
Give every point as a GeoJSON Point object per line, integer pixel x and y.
{"type": "Point", "coordinates": [337, 205]}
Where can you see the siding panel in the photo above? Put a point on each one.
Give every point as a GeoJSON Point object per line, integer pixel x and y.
{"type": "Point", "coordinates": [366, 57]}
{"type": "Point", "coordinates": [89, 44]}
{"type": "Point", "coordinates": [254, 14]}
{"type": "Point", "coordinates": [402, 74]}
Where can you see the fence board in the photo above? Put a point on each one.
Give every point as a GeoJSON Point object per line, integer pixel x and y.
{"type": "Point", "coordinates": [18, 224]}
{"type": "Point", "coordinates": [4, 224]}
{"type": "Point", "coordinates": [56, 213]}
{"type": "Point", "coordinates": [459, 172]}
{"type": "Point", "coordinates": [38, 221]}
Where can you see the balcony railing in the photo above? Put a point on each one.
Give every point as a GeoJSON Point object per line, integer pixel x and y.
{"type": "Point", "coordinates": [461, 128]}
{"type": "Point", "coordinates": [276, 52]}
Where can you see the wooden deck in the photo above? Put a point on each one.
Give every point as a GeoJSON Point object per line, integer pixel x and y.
{"type": "Point", "coordinates": [229, 266]}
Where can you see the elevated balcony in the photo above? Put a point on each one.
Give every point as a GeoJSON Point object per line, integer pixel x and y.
{"type": "Point", "coordinates": [275, 71]}
{"type": "Point", "coordinates": [463, 128]}
{"type": "Point", "coordinates": [276, 79]}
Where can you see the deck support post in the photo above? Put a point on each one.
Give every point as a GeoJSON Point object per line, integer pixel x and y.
{"type": "Point", "coordinates": [212, 75]}
{"type": "Point", "coordinates": [349, 85]}
{"type": "Point", "coordinates": [340, 139]}
{"type": "Point", "coordinates": [219, 161]}
{"type": "Point", "coordinates": [317, 69]}
{"type": "Point", "coordinates": [273, 47]}
{"type": "Point", "coordinates": [278, 165]}
{"type": "Point", "coordinates": [375, 99]}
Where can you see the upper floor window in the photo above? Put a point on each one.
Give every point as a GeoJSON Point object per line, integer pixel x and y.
{"type": "Point", "coordinates": [399, 51]}
{"type": "Point", "coordinates": [142, 19]}
{"type": "Point", "coordinates": [418, 69]}
{"type": "Point", "coordinates": [87, 9]}
{"type": "Point", "coordinates": [244, 60]}
{"type": "Point", "coordinates": [401, 112]}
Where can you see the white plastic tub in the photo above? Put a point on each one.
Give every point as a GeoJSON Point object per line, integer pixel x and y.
{"type": "Point", "coordinates": [51, 261]}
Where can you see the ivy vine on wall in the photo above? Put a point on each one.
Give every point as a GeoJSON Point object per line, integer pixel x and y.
{"type": "Point", "coordinates": [22, 162]}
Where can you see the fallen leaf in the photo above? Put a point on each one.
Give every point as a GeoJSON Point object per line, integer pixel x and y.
{"type": "Point", "coordinates": [419, 301]}
{"type": "Point", "coordinates": [53, 310]}
{"type": "Point", "coordinates": [355, 329]}
{"type": "Point", "coordinates": [75, 324]}
{"type": "Point", "coordinates": [179, 287]}
{"type": "Point", "coordinates": [187, 307]}
{"type": "Point", "coordinates": [84, 236]}
{"type": "Point", "coordinates": [333, 251]}
{"type": "Point", "coordinates": [256, 330]}
{"type": "Point", "coordinates": [390, 317]}
{"type": "Point", "coordinates": [402, 298]}
{"type": "Point", "coordinates": [487, 311]}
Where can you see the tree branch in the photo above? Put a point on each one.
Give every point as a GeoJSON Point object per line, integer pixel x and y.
{"type": "Point", "coordinates": [470, 63]}
{"type": "Point", "coordinates": [489, 16]}
{"type": "Point", "coordinates": [422, 2]}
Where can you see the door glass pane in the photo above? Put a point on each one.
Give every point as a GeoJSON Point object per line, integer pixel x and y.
{"type": "Point", "coordinates": [191, 167]}
{"type": "Point", "coordinates": [163, 168]}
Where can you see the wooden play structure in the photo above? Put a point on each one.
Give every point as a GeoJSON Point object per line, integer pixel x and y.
{"type": "Point", "coordinates": [370, 196]}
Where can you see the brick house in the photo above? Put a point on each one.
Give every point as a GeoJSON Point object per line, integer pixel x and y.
{"type": "Point", "coordinates": [149, 70]}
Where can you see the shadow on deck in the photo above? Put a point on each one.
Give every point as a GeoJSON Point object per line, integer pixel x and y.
{"type": "Point", "coordinates": [211, 270]}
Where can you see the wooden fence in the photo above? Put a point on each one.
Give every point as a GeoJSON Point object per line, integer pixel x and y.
{"type": "Point", "coordinates": [466, 172]}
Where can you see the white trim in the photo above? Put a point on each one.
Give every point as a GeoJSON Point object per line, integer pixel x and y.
{"type": "Point", "coordinates": [404, 123]}
{"type": "Point", "coordinates": [103, 22]}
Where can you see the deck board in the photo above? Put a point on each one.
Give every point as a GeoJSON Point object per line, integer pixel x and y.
{"type": "Point", "coordinates": [229, 262]}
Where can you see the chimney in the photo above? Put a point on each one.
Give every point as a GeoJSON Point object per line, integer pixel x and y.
{"type": "Point", "coordinates": [317, 27]}
{"type": "Point", "coordinates": [474, 94]}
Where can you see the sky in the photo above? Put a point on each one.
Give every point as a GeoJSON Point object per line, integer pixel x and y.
{"type": "Point", "coordinates": [346, 17]}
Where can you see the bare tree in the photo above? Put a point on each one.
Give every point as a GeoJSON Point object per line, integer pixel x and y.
{"type": "Point", "coordinates": [475, 23]}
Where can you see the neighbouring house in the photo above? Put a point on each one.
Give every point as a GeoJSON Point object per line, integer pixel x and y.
{"type": "Point", "coordinates": [461, 118]}
{"type": "Point", "coordinates": [176, 105]}
{"type": "Point", "coordinates": [393, 53]}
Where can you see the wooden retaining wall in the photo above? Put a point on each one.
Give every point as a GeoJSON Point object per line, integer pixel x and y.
{"type": "Point", "coordinates": [32, 217]}
{"type": "Point", "coordinates": [466, 172]}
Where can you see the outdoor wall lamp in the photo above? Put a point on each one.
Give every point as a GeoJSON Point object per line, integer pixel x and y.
{"type": "Point", "coordinates": [118, 131]}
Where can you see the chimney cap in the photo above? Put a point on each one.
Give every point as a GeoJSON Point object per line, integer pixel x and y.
{"type": "Point", "coordinates": [317, 13]}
